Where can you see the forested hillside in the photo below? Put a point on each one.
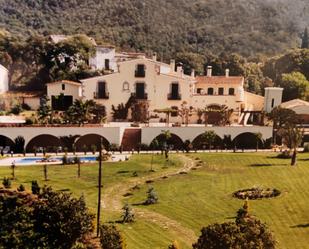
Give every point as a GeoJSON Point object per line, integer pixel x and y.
{"type": "Point", "coordinates": [247, 27]}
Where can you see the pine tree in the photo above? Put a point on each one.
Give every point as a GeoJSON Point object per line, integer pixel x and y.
{"type": "Point", "coordinates": [305, 39]}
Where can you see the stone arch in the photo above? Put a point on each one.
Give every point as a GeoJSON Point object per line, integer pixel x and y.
{"type": "Point", "coordinates": [47, 141]}
{"type": "Point", "coordinates": [175, 142]}
{"type": "Point", "coordinates": [199, 143]}
{"type": "Point", "coordinates": [91, 139]}
{"type": "Point", "coordinates": [247, 140]}
{"type": "Point", "coordinates": [6, 141]}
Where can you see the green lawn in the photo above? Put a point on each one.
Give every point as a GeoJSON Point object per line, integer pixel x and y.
{"type": "Point", "coordinates": [196, 199]}
{"type": "Point", "coordinates": [204, 196]}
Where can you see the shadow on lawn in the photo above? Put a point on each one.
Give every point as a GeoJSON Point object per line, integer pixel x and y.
{"type": "Point", "coordinates": [301, 226]}
{"type": "Point", "coordinates": [267, 164]}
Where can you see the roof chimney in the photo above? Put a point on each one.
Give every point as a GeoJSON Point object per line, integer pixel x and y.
{"type": "Point", "coordinates": [154, 56]}
{"type": "Point", "coordinates": [179, 69]}
{"type": "Point", "coordinates": [172, 65]}
{"type": "Point", "coordinates": [209, 71]}
{"type": "Point", "coordinates": [227, 72]}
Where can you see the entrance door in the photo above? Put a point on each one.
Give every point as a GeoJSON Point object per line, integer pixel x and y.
{"type": "Point", "coordinates": [140, 90]}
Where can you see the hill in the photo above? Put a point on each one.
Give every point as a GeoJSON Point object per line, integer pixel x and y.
{"type": "Point", "coordinates": [247, 27]}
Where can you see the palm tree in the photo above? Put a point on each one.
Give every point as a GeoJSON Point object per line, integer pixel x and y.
{"type": "Point", "coordinates": [293, 137]}
{"type": "Point", "coordinates": [209, 137]}
{"type": "Point", "coordinates": [281, 117]}
{"type": "Point", "coordinates": [81, 111]}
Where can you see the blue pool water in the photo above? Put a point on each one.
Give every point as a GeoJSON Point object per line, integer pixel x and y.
{"type": "Point", "coordinates": [34, 160]}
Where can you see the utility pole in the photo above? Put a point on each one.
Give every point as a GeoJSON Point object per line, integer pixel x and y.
{"type": "Point", "coordinates": [99, 188]}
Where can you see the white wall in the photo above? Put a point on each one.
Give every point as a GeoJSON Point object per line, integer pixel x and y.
{"type": "Point", "coordinates": [4, 79]}
{"type": "Point", "coordinates": [150, 133]}
{"type": "Point", "coordinates": [55, 89]}
{"type": "Point", "coordinates": [273, 98]}
{"type": "Point", "coordinates": [97, 62]}
{"type": "Point", "coordinates": [157, 86]}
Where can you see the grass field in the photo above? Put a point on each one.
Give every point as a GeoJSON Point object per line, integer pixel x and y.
{"type": "Point", "coordinates": [187, 202]}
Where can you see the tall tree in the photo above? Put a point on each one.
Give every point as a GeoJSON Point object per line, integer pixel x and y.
{"type": "Point", "coordinates": [305, 39]}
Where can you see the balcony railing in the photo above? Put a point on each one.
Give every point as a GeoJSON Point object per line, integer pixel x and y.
{"type": "Point", "coordinates": [105, 95]}
{"type": "Point", "coordinates": [171, 96]}
{"type": "Point", "coordinates": [140, 74]}
{"type": "Point", "coordinates": [140, 96]}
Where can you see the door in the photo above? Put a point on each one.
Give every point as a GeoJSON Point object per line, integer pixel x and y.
{"type": "Point", "coordinates": [140, 90]}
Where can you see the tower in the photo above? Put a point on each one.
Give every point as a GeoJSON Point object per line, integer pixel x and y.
{"type": "Point", "coordinates": [272, 98]}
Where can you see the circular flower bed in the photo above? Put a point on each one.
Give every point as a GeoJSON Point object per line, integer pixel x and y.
{"type": "Point", "coordinates": [256, 193]}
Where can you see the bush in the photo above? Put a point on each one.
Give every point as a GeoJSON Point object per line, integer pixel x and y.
{"type": "Point", "coordinates": [21, 188]}
{"type": "Point", "coordinates": [29, 121]}
{"type": "Point", "coordinates": [25, 107]}
{"type": "Point", "coordinates": [174, 245]}
{"type": "Point", "coordinates": [6, 182]}
{"type": "Point", "coordinates": [111, 238]}
{"type": "Point", "coordinates": [152, 197]}
{"type": "Point", "coordinates": [38, 214]}
{"type": "Point", "coordinates": [16, 110]}
{"type": "Point", "coordinates": [35, 188]}
{"type": "Point", "coordinates": [246, 232]}
{"type": "Point", "coordinates": [128, 215]}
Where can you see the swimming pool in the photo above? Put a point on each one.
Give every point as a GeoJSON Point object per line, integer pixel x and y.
{"type": "Point", "coordinates": [56, 159]}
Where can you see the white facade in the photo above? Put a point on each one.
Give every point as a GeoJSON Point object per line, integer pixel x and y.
{"type": "Point", "coordinates": [4, 79]}
{"type": "Point", "coordinates": [104, 59]}
{"type": "Point", "coordinates": [273, 98]}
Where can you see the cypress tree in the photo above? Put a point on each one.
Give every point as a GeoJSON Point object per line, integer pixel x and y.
{"type": "Point", "coordinates": [305, 39]}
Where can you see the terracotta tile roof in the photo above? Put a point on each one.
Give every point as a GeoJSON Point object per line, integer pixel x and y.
{"type": "Point", "coordinates": [66, 82]}
{"type": "Point", "coordinates": [219, 80]}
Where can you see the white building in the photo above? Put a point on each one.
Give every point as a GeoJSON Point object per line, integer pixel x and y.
{"type": "Point", "coordinates": [104, 59]}
{"type": "Point", "coordinates": [161, 86]}
{"type": "Point", "coordinates": [4, 79]}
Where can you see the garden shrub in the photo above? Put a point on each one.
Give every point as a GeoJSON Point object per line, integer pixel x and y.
{"type": "Point", "coordinates": [111, 238]}
{"type": "Point", "coordinates": [6, 182]}
{"type": "Point", "coordinates": [152, 197]}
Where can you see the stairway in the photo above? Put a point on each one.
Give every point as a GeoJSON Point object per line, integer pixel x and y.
{"type": "Point", "coordinates": [131, 138]}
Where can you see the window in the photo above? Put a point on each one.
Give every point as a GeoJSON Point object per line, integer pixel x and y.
{"type": "Point", "coordinates": [210, 91]}
{"type": "Point", "coordinates": [231, 91]}
{"type": "Point", "coordinates": [272, 103]}
{"type": "Point", "coordinates": [221, 91]}
{"type": "Point", "coordinates": [199, 90]}
{"type": "Point", "coordinates": [101, 90]}
{"type": "Point", "coordinates": [63, 87]}
{"type": "Point", "coordinates": [174, 92]}
{"type": "Point", "coordinates": [106, 63]}
{"type": "Point", "coordinates": [125, 86]}
{"type": "Point", "coordinates": [140, 71]}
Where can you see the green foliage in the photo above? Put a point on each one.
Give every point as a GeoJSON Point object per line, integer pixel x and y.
{"type": "Point", "coordinates": [164, 26]}
{"type": "Point", "coordinates": [152, 197]}
{"type": "Point", "coordinates": [44, 112]}
{"type": "Point", "coordinates": [209, 137]}
{"type": "Point", "coordinates": [246, 232]}
{"type": "Point", "coordinates": [295, 85]}
{"type": "Point", "coordinates": [35, 188]}
{"type": "Point", "coordinates": [6, 182]}
{"type": "Point", "coordinates": [32, 220]}
{"type": "Point", "coordinates": [17, 109]}
{"type": "Point", "coordinates": [19, 144]}
{"type": "Point", "coordinates": [21, 188]}
{"type": "Point", "coordinates": [111, 238]}
{"type": "Point", "coordinates": [128, 215]}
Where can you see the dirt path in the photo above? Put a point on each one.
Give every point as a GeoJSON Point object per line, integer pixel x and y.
{"type": "Point", "coordinates": [113, 197]}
